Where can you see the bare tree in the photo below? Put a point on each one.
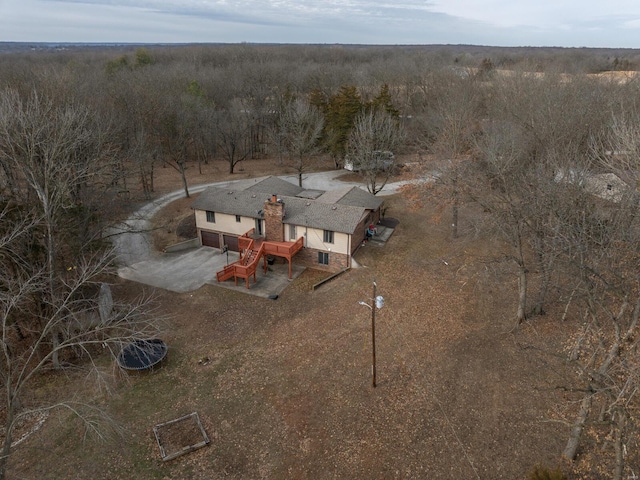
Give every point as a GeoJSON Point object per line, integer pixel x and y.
{"type": "Point", "coordinates": [233, 128]}
{"type": "Point", "coordinates": [605, 350]}
{"type": "Point", "coordinates": [297, 133]}
{"type": "Point", "coordinates": [141, 154]}
{"type": "Point", "coordinates": [86, 331]}
{"type": "Point", "coordinates": [50, 156]}
{"type": "Point", "coordinates": [501, 178]}
{"type": "Point", "coordinates": [174, 140]}
{"type": "Point", "coordinates": [375, 136]}
{"type": "Point", "coordinates": [457, 110]}
{"type": "Point", "coordinates": [136, 117]}
{"type": "Point", "coordinates": [619, 150]}
{"type": "Point", "coordinates": [535, 135]}
{"type": "Point", "coordinates": [53, 159]}
{"type": "Point", "coordinates": [604, 242]}
{"type": "Point", "coordinates": [197, 108]}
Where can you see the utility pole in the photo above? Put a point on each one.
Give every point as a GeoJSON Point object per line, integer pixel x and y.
{"type": "Point", "coordinates": [378, 302]}
{"type": "Point", "coordinates": [373, 336]}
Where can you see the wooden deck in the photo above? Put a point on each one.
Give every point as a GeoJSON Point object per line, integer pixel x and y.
{"type": "Point", "coordinates": [250, 253]}
{"type": "Point", "coordinates": [283, 249]}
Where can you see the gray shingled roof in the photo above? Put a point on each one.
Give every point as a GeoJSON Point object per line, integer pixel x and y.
{"type": "Point", "coordinates": [274, 185]}
{"type": "Point", "coordinates": [325, 216]}
{"type": "Point", "coordinates": [353, 196]}
{"type": "Point", "coordinates": [232, 202]}
{"type": "Point", "coordinates": [359, 198]}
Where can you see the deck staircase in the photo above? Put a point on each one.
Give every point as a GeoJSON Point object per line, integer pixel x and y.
{"type": "Point", "coordinates": [249, 257]}
{"type": "Point", "coordinates": [252, 250]}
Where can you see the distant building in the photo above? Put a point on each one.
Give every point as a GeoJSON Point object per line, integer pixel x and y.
{"type": "Point", "coordinates": [382, 161]}
{"type": "Point", "coordinates": [607, 186]}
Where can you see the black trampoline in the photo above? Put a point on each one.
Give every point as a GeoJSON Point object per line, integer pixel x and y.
{"type": "Point", "coordinates": [142, 354]}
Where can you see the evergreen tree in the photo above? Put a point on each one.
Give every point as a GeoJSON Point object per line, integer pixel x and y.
{"type": "Point", "coordinates": [341, 113]}
{"type": "Point", "coordinates": [382, 103]}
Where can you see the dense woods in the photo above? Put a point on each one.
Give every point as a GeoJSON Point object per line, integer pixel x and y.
{"type": "Point", "coordinates": [543, 143]}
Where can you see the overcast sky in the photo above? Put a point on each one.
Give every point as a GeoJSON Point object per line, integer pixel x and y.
{"type": "Point", "coordinates": [566, 23]}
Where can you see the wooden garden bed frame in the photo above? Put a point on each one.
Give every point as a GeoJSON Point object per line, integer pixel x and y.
{"type": "Point", "coordinates": [157, 430]}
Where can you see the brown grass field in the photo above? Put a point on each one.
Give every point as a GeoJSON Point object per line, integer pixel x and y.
{"type": "Point", "coordinates": [283, 388]}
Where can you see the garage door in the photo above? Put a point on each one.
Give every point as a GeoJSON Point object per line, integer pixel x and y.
{"type": "Point", "coordinates": [210, 239]}
{"type": "Point", "coordinates": [231, 242]}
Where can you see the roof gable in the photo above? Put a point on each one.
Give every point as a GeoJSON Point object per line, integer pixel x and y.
{"type": "Point", "coordinates": [324, 216]}
{"type": "Point", "coordinates": [275, 186]}
{"type": "Point", "coordinates": [353, 196]}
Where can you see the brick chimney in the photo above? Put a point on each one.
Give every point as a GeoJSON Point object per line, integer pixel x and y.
{"type": "Point", "coordinates": [273, 215]}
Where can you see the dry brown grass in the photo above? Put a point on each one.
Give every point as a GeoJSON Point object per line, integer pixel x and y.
{"type": "Point", "coordinates": [286, 391]}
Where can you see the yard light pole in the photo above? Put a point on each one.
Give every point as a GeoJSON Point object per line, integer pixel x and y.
{"type": "Point", "coordinates": [378, 303]}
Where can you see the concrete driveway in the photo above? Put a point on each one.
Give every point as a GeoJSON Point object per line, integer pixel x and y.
{"type": "Point", "coordinates": [179, 272]}
{"type": "Point", "coordinates": [191, 269]}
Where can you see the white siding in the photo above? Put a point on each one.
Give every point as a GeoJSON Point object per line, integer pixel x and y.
{"type": "Point", "coordinates": [225, 223]}
{"type": "Point", "coordinates": [315, 240]}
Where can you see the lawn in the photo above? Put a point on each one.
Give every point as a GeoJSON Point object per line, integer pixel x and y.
{"type": "Point", "coordinates": [283, 388]}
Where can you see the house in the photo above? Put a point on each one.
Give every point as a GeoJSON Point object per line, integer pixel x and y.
{"type": "Point", "coordinates": [380, 161]}
{"type": "Point", "coordinates": [332, 224]}
{"type": "Point", "coordinates": [607, 186]}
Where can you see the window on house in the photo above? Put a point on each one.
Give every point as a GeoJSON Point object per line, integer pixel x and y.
{"type": "Point", "coordinates": [238, 218]}
{"type": "Point", "coordinates": [211, 216]}
{"type": "Point", "coordinates": [292, 232]}
{"type": "Point", "coordinates": [328, 236]}
{"type": "Point", "coordinates": [258, 226]}
{"type": "Point", "coordinates": [323, 258]}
